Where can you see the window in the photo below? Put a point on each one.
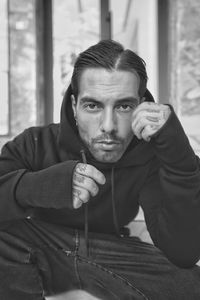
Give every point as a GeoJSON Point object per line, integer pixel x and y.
{"type": "Point", "coordinates": [76, 26]}
{"type": "Point", "coordinates": [17, 67]}
{"type": "Point", "coordinates": [4, 65]}
{"type": "Point", "coordinates": [134, 24]}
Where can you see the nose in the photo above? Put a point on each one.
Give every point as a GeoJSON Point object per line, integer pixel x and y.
{"type": "Point", "coordinates": [108, 121]}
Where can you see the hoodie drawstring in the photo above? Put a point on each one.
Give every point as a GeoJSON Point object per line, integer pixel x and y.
{"type": "Point", "coordinates": [114, 211]}
{"type": "Point", "coordinates": [86, 228]}
{"type": "Point", "coordinates": [84, 160]}
{"type": "Point", "coordinates": [115, 219]}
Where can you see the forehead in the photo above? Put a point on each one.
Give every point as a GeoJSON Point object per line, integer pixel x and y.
{"type": "Point", "coordinates": [101, 83]}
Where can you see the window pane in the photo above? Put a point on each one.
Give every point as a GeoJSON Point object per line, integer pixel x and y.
{"type": "Point", "coordinates": [3, 68]}
{"type": "Point", "coordinates": [22, 65]}
{"type": "Point", "coordinates": [76, 26]}
{"type": "Point", "coordinates": [134, 24]}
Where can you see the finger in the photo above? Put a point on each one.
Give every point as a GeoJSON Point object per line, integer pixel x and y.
{"type": "Point", "coordinates": [77, 203]}
{"type": "Point", "coordinates": [153, 116]}
{"type": "Point", "coordinates": [152, 111]}
{"type": "Point", "coordinates": [149, 115]}
{"type": "Point", "coordinates": [162, 109]}
{"type": "Point", "coordinates": [148, 131]}
{"type": "Point", "coordinates": [80, 196]}
{"type": "Point", "coordinates": [146, 121]}
{"type": "Point", "coordinates": [86, 183]}
{"type": "Point", "coordinates": [143, 119]}
{"type": "Point", "coordinates": [90, 171]}
{"type": "Point", "coordinates": [147, 106]}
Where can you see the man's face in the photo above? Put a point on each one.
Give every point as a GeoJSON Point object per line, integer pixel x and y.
{"type": "Point", "coordinates": [103, 111]}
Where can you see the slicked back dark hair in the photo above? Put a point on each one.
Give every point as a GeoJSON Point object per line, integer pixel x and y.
{"type": "Point", "coordinates": [109, 55]}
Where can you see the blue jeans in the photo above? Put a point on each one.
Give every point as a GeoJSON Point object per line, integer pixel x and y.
{"type": "Point", "coordinates": [38, 259]}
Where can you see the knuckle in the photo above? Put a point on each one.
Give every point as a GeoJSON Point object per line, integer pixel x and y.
{"type": "Point", "coordinates": [77, 167]}
{"type": "Point", "coordinates": [79, 179]}
{"type": "Point", "coordinates": [76, 192]}
{"type": "Point", "coordinates": [81, 168]}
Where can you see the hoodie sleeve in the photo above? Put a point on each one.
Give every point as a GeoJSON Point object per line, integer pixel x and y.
{"type": "Point", "coordinates": [170, 197]}
{"type": "Point", "coordinates": [22, 188]}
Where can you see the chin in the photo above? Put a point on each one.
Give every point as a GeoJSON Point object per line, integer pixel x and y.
{"type": "Point", "coordinates": [107, 157]}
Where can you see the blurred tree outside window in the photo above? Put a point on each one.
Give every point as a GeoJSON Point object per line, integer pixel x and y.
{"type": "Point", "coordinates": [76, 26]}
{"type": "Point", "coordinates": [187, 73]}
{"type": "Point", "coordinates": [17, 67]}
{"type": "Point", "coordinates": [22, 65]}
{"type": "Point", "coordinates": [4, 99]}
{"type": "Point", "coordinates": [134, 24]}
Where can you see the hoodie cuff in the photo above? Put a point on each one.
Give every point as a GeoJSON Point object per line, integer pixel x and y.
{"type": "Point", "coordinates": [172, 146]}
{"type": "Point", "coordinates": [47, 188]}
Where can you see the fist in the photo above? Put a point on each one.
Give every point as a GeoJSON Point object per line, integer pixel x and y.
{"type": "Point", "coordinates": [148, 118]}
{"type": "Point", "coordinates": [86, 179]}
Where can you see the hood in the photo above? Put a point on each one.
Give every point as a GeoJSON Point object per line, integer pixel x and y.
{"type": "Point", "coordinates": [138, 152]}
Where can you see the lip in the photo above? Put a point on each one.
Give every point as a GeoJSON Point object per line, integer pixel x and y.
{"type": "Point", "coordinates": [108, 142]}
{"type": "Point", "coordinates": [108, 145]}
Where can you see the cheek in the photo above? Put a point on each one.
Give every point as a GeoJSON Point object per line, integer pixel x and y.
{"type": "Point", "coordinates": [88, 127]}
{"type": "Point", "coordinates": [125, 129]}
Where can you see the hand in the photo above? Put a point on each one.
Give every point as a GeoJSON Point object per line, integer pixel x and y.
{"type": "Point", "coordinates": [148, 118]}
{"type": "Point", "coordinates": [85, 183]}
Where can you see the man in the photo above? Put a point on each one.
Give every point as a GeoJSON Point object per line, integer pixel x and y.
{"type": "Point", "coordinates": [68, 191]}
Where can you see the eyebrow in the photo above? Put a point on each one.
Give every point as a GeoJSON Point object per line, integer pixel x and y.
{"type": "Point", "coordinates": [118, 101]}
{"type": "Point", "coordinates": [88, 99]}
{"type": "Point", "coordinates": [127, 100]}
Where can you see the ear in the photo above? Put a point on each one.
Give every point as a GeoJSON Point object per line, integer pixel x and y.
{"type": "Point", "coordinates": [73, 105]}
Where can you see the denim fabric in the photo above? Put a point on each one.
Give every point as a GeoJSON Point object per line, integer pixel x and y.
{"type": "Point", "coordinates": [38, 259]}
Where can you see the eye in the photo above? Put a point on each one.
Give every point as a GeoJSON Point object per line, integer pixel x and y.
{"type": "Point", "coordinates": [124, 108]}
{"type": "Point", "coordinates": [92, 107]}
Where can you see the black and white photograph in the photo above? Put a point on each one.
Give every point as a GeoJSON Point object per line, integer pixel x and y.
{"type": "Point", "coordinates": [99, 150]}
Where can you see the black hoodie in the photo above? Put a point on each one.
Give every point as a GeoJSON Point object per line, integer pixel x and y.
{"type": "Point", "coordinates": [162, 176]}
